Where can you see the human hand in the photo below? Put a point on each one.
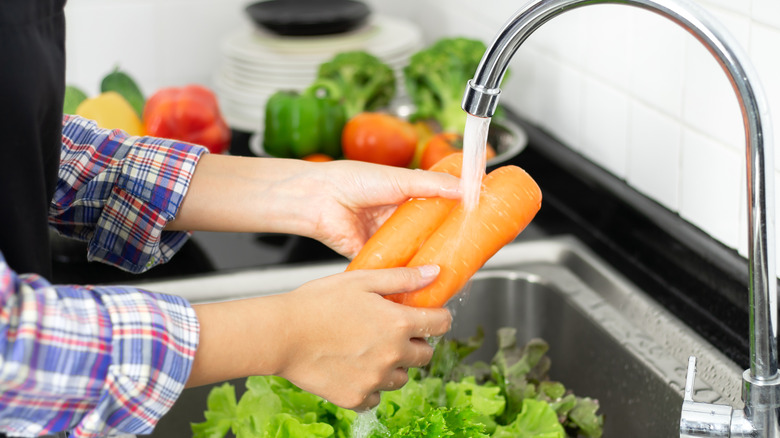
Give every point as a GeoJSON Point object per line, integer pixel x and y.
{"type": "Point", "coordinates": [355, 198]}
{"type": "Point", "coordinates": [335, 336]}
{"type": "Point", "coordinates": [346, 343]}
{"type": "Point", "coordinates": [340, 203]}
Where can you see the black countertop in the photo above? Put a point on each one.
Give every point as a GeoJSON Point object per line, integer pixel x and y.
{"type": "Point", "coordinates": [696, 278]}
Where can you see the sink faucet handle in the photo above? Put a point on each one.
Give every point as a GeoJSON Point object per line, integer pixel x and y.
{"type": "Point", "coordinates": [689, 379]}
{"type": "Point", "coordinates": [702, 419]}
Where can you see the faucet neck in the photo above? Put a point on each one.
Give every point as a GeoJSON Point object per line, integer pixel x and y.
{"type": "Point", "coordinates": [481, 99]}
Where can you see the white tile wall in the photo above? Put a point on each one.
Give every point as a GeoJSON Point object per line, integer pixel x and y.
{"type": "Point", "coordinates": [710, 186]}
{"type": "Point", "coordinates": [627, 89]}
{"type": "Point", "coordinates": [160, 42]}
{"type": "Point", "coordinates": [765, 11]}
{"type": "Point", "coordinates": [605, 125]}
{"type": "Point", "coordinates": [654, 154]}
{"type": "Point", "coordinates": [657, 62]}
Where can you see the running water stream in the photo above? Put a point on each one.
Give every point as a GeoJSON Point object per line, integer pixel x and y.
{"type": "Point", "coordinates": [474, 165]}
{"type": "Point", "coordinates": [367, 424]}
{"type": "Point", "coordinates": [474, 162]}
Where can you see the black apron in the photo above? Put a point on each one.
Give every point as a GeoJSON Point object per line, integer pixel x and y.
{"type": "Point", "coordinates": [32, 85]}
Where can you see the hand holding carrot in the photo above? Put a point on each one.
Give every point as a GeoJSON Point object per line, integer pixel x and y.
{"type": "Point", "coordinates": [401, 235]}
{"type": "Point", "coordinates": [340, 203]}
{"type": "Point", "coordinates": [335, 337]}
{"type": "Point", "coordinates": [361, 346]}
{"type": "Point", "coordinates": [446, 234]}
{"type": "Point", "coordinates": [367, 195]}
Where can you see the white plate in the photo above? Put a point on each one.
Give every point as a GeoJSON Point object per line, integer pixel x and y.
{"type": "Point", "coordinates": [242, 122]}
{"type": "Point", "coordinates": [251, 42]}
{"type": "Point", "coordinates": [256, 144]}
{"type": "Point", "coordinates": [385, 37]}
{"type": "Point", "coordinates": [236, 83]}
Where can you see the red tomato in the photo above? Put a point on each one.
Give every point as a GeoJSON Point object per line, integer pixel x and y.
{"type": "Point", "coordinates": [443, 144]}
{"type": "Point", "coordinates": [379, 138]}
{"type": "Point", "coordinates": [318, 158]}
{"type": "Point", "coordinates": [439, 146]}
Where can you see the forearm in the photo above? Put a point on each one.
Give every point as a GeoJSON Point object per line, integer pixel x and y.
{"type": "Point", "coordinates": [240, 338]}
{"type": "Point", "coordinates": [343, 353]}
{"type": "Point", "coordinates": [339, 203]}
{"type": "Point", "coordinates": [243, 194]}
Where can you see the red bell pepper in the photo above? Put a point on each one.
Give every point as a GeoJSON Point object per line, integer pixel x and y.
{"type": "Point", "coordinates": [190, 113]}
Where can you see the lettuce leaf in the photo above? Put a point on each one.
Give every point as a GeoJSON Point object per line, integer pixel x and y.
{"type": "Point", "coordinates": [585, 418]}
{"type": "Point", "coordinates": [511, 396]}
{"type": "Point", "coordinates": [448, 358]}
{"type": "Point", "coordinates": [535, 420]}
{"type": "Point", "coordinates": [414, 400]}
{"type": "Point", "coordinates": [221, 404]}
{"type": "Point", "coordinates": [486, 400]}
{"type": "Point", "coordinates": [271, 407]}
{"type": "Point", "coordinates": [439, 422]}
{"type": "Point", "coordinates": [443, 422]}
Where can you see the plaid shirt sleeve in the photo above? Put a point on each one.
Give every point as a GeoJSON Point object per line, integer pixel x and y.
{"type": "Point", "coordinates": [118, 192]}
{"type": "Point", "coordinates": [93, 360]}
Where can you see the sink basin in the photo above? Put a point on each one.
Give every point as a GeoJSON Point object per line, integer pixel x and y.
{"type": "Point", "coordinates": [607, 339]}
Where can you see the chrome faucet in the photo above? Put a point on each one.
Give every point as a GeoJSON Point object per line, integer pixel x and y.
{"type": "Point", "coordinates": [761, 382]}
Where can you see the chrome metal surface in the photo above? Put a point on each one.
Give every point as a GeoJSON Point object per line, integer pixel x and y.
{"type": "Point", "coordinates": [481, 97]}
{"type": "Point", "coordinates": [607, 339]}
{"type": "Point", "coordinates": [702, 419]}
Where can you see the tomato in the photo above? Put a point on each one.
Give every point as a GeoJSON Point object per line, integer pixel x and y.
{"type": "Point", "coordinates": [424, 133]}
{"type": "Point", "coordinates": [439, 146]}
{"type": "Point", "coordinates": [443, 144]}
{"type": "Point", "coordinates": [318, 157]}
{"type": "Point", "coordinates": [379, 138]}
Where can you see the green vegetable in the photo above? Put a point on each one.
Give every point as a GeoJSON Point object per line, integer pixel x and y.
{"type": "Point", "coordinates": [271, 407]}
{"type": "Point", "coordinates": [486, 400]}
{"type": "Point", "coordinates": [537, 419]}
{"type": "Point", "coordinates": [301, 124]}
{"type": "Point", "coordinates": [509, 397]}
{"type": "Point", "coordinates": [358, 80]}
{"type": "Point", "coordinates": [436, 79]}
{"type": "Point", "coordinates": [123, 84]}
{"type": "Point", "coordinates": [73, 97]}
{"type": "Point", "coordinates": [441, 422]}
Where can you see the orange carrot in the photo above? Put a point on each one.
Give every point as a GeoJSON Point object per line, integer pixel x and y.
{"type": "Point", "coordinates": [396, 241]}
{"type": "Point", "coordinates": [508, 201]}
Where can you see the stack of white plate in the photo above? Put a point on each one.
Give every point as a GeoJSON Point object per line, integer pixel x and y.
{"type": "Point", "coordinates": [257, 63]}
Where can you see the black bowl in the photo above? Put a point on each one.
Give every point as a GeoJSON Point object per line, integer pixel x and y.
{"type": "Point", "coordinates": [308, 17]}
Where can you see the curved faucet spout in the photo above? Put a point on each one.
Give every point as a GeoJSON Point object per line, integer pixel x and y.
{"type": "Point", "coordinates": [761, 390]}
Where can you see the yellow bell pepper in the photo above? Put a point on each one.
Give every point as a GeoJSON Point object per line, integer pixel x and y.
{"type": "Point", "coordinates": [111, 111]}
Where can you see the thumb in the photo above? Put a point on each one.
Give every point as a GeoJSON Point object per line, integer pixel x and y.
{"type": "Point", "coordinates": [428, 183]}
{"type": "Point", "coordinates": [399, 280]}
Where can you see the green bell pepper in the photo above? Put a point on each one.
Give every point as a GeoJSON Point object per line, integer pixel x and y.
{"type": "Point", "coordinates": [301, 124]}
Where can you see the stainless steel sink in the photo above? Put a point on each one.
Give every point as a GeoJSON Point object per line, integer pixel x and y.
{"type": "Point", "coordinates": [607, 339]}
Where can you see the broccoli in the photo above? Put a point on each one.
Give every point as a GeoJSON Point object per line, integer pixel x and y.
{"type": "Point", "coordinates": [358, 80]}
{"type": "Point", "coordinates": [436, 79]}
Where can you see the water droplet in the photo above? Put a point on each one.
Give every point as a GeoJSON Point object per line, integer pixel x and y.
{"type": "Point", "coordinates": [366, 423]}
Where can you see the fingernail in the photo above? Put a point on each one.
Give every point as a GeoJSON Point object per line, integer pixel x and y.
{"type": "Point", "coordinates": [451, 191]}
{"type": "Point", "coordinates": [429, 271]}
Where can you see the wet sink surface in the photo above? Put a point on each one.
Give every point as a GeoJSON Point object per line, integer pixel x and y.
{"type": "Point", "coordinates": [607, 340]}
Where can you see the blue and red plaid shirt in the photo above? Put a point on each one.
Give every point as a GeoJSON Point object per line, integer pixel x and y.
{"type": "Point", "coordinates": [101, 360]}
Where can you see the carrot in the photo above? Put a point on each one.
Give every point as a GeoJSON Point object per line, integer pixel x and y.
{"type": "Point", "coordinates": [396, 241]}
{"type": "Point", "coordinates": [508, 201]}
